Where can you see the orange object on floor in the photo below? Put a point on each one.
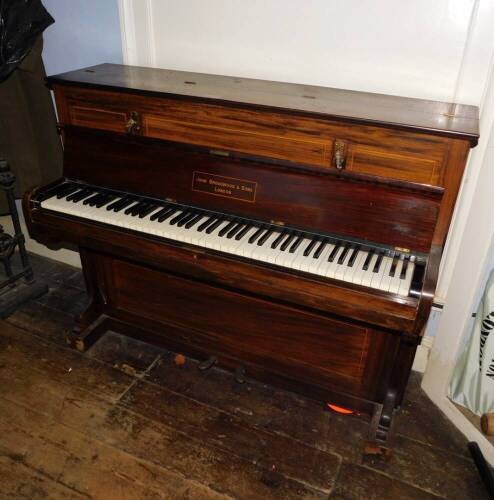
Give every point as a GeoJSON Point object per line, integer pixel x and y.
{"type": "Point", "coordinates": [340, 409]}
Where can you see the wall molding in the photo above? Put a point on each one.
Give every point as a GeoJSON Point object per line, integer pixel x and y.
{"type": "Point", "coordinates": [422, 354]}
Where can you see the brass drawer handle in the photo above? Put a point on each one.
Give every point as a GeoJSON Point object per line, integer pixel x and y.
{"type": "Point", "coordinates": [339, 158]}
{"type": "Point", "coordinates": [133, 124]}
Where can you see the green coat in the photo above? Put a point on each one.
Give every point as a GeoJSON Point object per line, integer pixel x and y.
{"type": "Point", "coordinates": [28, 135]}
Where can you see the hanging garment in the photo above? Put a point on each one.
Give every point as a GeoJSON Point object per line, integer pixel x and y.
{"type": "Point", "coordinates": [472, 384]}
{"type": "Point", "coordinates": [28, 134]}
{"type": "Point", "coordinates": [21, 24]}
{"type": "Point", "coordinates": [28, 137]}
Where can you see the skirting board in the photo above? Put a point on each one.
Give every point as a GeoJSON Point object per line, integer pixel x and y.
{"type": "Point", "coordinates": [422, 354]}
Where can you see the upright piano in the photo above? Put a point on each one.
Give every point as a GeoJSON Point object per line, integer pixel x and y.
{"type": "Point", "coordinates": [290, 233]}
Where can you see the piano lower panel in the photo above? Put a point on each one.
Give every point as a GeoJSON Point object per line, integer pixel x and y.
{"type": "Point", "coordinates": [300, 346]}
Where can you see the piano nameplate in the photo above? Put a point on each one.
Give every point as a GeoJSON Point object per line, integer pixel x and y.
{"type": "Point", "coordinates": [228, 187]}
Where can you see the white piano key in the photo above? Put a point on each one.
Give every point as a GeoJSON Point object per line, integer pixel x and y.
{"type": "Point", "coordinates": [333, 266]}
{"type": "Point", "coordinates": [298, 259]}
{"type": "Point", "coordinates": [386, 278]}
{"type": "Point", "coordinates": [352, 272]}
{"type": "Point", "coordinates": [407, 282]}
{"type": "Point", "coordinates": [377, 277]}
{"type": "Point", "coordinates": [341, 268]}
{"type": "Point", "coordinates": [394, 286]}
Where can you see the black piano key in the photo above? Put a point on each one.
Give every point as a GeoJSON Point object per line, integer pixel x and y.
{"type": "Point", "coordinates": [165, 215]}
{"type": "Point", "coordinates": [76, 197]}
{"type": "Point", "coordinates": [370, 254]}
{"type": "Point", "coordinates": [394, 263]}
{"type": "Point", "coordinates": [215, 225]}
{"type": "Point", "coordinates": [147, 210]}
{"type": "Point", "coordinates": [184, 220]}
{"type": "Point", "coordinates": [403, 273]}
{"type": "Point", "coordinates": [117, 203]}
{"type": "Point", "coordinates": [256, 235]}
{"type": "Point", "coordinates": [159, 213]}
{"type": "Point", "coordinates": [287, 242]}
{"type": "Point", "coordinates": [320, 249]}
{"type": "Point", "coordinates": [133, 208]}
{"type": "Point", "coordinates": [108, 199]}
{"type": "Point", "coordinates": [265, 237]}
{"type": "Point", "coordinates": [343, 255]}
{"type": "Point", "coordinates": [235, 230]}
{"type": "Point", "coordinates": [279, 239]}
{"type": "Point", "coordinates": [70, 197]}
{"type": "Point", "coordinates": [333, 252]}
{"type": "Point", "coordinates": [296, 243]}
{"type": "Point", "coordinates": [206, 223]}
{"type": "Point", "coordinates": [179, 217]}
{"type": "Point", "coordinates": [378, 262]}
{"type": "Point", "coordinates": [92, 200]}
{"type": "Point", "coordinates": [243, 232]}
{"type": "Point", "coordinates": [310, 247]}
{"type": "Point", "coordinates": [227, 228]}
{"type": "Point", "coordinates": [194, 220]}
{"type": "Point", "coordinates": [65, 189]}
{"type": "Point", "coordinates": [353, 257]}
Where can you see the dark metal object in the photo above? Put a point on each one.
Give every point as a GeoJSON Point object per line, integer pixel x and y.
{"type": "Point", "coordinates": [210, 362]}
{"type": "Point", "coordinates": [18, 287]}
{"type": "Point", "coordinates": [482, 466]}
{"type": "Point", "coordinates": [240, 375]}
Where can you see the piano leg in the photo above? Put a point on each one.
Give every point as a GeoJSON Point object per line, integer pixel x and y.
{"type": "Point", "coordinates": [380, 432]}
{"type": "Point", "coordinates": [92, 323]}
{"type": "Point", "coordinates": [380, 427]}
{"type": "Point", "coordinates": [84, 338]}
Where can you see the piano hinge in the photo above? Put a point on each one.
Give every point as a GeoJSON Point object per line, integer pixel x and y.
{"type": "Point", "coordinates": [277, 222]}
{"type": "Point", "coordinates": [171, 200]}
{"type": "Point", "coordinates": [403, 250]}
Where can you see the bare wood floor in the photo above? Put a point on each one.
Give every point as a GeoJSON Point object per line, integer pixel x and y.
{"type": "Point", "coordinates": [122, 421]}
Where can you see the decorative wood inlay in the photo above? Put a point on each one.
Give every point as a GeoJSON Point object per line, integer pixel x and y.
{"type": "Point", "coordinates": [98, 118]}
{"type": "Point", "coordinates": [284, 147]}
{"type": "Point", "coordinates": [382, 163]}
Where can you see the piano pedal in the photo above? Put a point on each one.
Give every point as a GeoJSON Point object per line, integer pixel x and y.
{"type": "Point", "coordinates": [206, 365]}
{"type": "Point", "coordinates": [240, 375]}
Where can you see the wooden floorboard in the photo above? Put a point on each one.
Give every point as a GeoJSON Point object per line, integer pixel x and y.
{"type": "Point", "coordinates": [124, 421]}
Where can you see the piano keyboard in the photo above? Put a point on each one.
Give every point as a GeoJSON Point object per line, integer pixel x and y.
{"type": "Point", "coordinates": [326, 256]}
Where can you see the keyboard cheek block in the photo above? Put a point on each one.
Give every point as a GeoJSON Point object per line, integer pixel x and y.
{"type": "Point", "coordinates": [291, 234]}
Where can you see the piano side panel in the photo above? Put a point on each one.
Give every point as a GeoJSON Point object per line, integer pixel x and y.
{"type": "Point", "coordinates": [392, 215]}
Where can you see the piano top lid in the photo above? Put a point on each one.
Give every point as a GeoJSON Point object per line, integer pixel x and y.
{"type": "Point", "coordinates": [419, 115]}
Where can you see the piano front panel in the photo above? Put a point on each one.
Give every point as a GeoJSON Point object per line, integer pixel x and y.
{"type": "Point", "coordinates": [391, 215]}
{"type": "Point", "coordinates": [293, 343]}
{"type": "Point", "coordinates": [377, 152]}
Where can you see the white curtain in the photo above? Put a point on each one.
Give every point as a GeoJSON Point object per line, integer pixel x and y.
{"type": "Point", "coordinates": [472, 384]}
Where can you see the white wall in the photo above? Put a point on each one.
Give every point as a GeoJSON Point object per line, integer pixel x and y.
{"type": "Point", "coordinates": [412, 48]}
{"type": "Point", "coordinates": [86, 32]}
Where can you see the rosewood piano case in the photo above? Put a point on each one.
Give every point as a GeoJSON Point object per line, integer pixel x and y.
{"type": "Point", "coordinates": [376, 168]}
